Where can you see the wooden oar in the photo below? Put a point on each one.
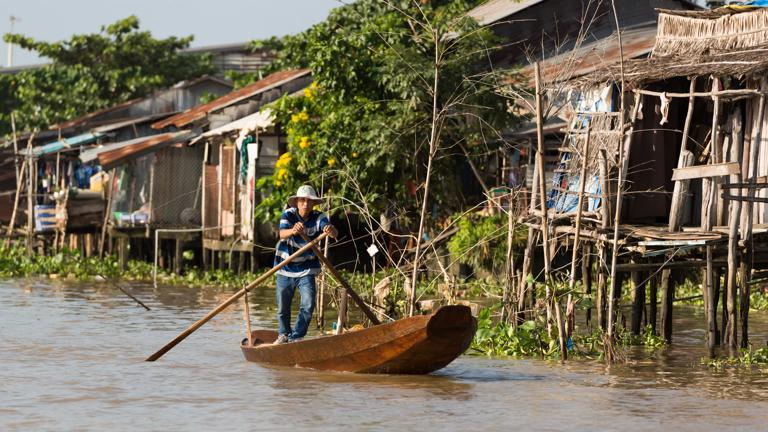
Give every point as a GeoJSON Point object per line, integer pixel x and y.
{"type": "Point", "coordinates": [336, 275]}
{"type": "Point", "coordinates": [183, 335]}
{"type": "Point", "coordinates": [125, 292]}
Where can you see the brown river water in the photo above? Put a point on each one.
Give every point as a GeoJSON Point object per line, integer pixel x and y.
{"type": "Point", "coordinates": [71, 358]}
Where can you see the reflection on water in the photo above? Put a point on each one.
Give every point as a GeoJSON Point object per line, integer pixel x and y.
{"type": "Point", "coordinates": [72, 359]}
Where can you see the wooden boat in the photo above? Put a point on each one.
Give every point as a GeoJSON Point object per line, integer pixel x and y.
{"type": "Point", "coordinates": [415, 345]}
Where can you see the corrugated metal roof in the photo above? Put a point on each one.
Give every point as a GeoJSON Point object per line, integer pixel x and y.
{"type": "Point", "coordinates": [495, 10]}
{"type": "Point", "coordinates": [588, 58]}
{"type": "Point", "coordinates": [79, 121]}
{"type": "Point", "coordinates": [119, 155]}
{"type": "Point", "coordinates": [63, 144]}
{"type": "Point", "coordinates": [93, 153]}
{"type": "Point", "coordinates": [261, 119]}
{"type": "Point", "coordinates": [274, 80]}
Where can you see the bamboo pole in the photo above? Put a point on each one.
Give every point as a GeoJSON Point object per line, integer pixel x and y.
{"type": "Point", "coordinates": [625, 146]}
{"type": "Point", "coordinates": [754, 157]}
{"type": "Point", "coordinates": [199, 323]}
{"type": "Point", "coordinates": [733, 233]}
{"type": "Point", "coordinates": [510, 265]}
{"type": "Point", "coordinates": [542, 189]}
{"type": "Point", "coordinates": [551, 297]}
{"type": "Point", "coordinates": [340, 279]}
{"type": "Point", "coordinates": [112, 184]}
{"type": "Point", "coordinates": [433, 137]}
{"type": "Point", "coordinates": [569, 310]}
{"type": "Point", "coordinates": [586, 277]}
{"type": "Point", "coordinates": [12, 224]}
{"type": "Point", "coordinates": [247, 316]}
{"type": "Point", "coordinates": [30, 198]}
{"type": "Point", "coordinates": [720, 94]}
{"type": "Point", "coordinates": [653, 294]}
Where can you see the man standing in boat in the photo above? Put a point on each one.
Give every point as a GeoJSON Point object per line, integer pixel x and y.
{"type": "Point", "coordinates": [299, 218]}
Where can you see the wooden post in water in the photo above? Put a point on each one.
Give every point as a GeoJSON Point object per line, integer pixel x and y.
{"type": "Point", "coordinates": [551, 297]}
{"type": "Point", "coordinates": [667, 299]}
{"type": "Point", "coordinates": [247, 313]}
{"type": "Point", "coordinates": [653, 294]}
{"type": "Point", "coordinates": [734, 218]}
{"type": "Point", "coordinates": [508, 305]}
{"type": "Point", "coordinates": [625, 146]}
{"type": "Point", "coordinates": [321, 294]}
{"type": "Point", "coordinates": [569, 311]}
{"type": "Point", "coordinates": [605, 217]}
{"type": "Point", "coordinates": [638, 301]}
{"type": "Point", "coordinates": [749, 252]}
{"type": "Point", "coordinates": [586, 276]}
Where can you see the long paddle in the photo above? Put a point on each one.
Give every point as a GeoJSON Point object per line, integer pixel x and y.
{"type": "Point", "coordinates": [183, 335]}
{"type": "Point", "coordinates": [336, 275]}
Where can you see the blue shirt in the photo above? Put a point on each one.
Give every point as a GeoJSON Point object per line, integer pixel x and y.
{"type": "Point", "coordinates": [307, 263]}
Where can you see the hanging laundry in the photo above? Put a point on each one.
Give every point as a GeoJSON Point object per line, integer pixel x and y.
{"type": "Point", "coordinates": [664, 109]}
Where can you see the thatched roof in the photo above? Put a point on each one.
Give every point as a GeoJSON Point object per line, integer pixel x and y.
{"type": "Point", "coordinates": [704, 32]}
{"type": "Point", "coordinates": [703, 14]}
{"type": "Point", "coordinates": [731, 63]}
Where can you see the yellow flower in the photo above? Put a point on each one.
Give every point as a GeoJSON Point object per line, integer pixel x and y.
{"type": "Point", "coordinates": [282, 173]}
{"type": "Point", "coordinates": [300, 117]}
{"type": "Point", "coordinates": [309, 93]}
{"type": "Point", "coordinates": [313, 85]}
{"type": "Point", "coordinates": [304, 142]}
{"type": "Point", "coordinates": [283, 160]}
{"type": "Point", "coordinates": [278, 183]}
{"type": "Point", "coordinates": [331, 162]}
{"type": "Point", "coordinates": [354, 154]}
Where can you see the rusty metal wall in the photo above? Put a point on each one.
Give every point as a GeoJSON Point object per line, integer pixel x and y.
{"type": "Point", "coordinates": [177, 187]}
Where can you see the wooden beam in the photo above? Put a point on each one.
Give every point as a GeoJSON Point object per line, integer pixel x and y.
{"type": "Point", "coordinates": [706, 171]}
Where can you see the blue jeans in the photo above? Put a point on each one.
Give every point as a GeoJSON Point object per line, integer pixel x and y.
{"type": "Point", "coordinates": [286, 287]}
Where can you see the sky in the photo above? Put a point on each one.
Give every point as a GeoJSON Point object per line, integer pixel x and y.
{"type": "Point", "coordinates": [212, 22]}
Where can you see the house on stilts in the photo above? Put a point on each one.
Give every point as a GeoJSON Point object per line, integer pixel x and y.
{"type": "Point", "coordinates": [663, 173]}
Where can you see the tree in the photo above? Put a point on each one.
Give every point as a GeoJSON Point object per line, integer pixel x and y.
{"type": "Point", "coordinates": [93, 71]}
{"type": "Point", "coordinates": [369, 114]}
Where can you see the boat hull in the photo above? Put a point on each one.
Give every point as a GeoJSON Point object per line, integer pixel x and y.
{"type": "Point", "coordinates": [415, 345]}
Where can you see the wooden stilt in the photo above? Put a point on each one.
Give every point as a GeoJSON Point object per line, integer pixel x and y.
{"type": "Point", "coordinates": [625, 146]}
{"type": "Point", "coordinates": [247, 313]}
{"type": "Point", "coordinates": [667, 299]}
{"type": "Point", "coordinates": [31, 183]}
{"type": "Point", "coordinates": [734, 218]}
{"type": "Point", "coordinates": [653, 294]}
{"type": "Point", "coordinates": [744, 291]}
{"type": "Point", "coordinates": [206, 259]}
{"type": "Point", "coordinates": [508, 304]}
{"type": "Point", "coordinates": [178, 258]}
{"type": "Point", "coordinates": [710, 304]}
{"type": "Point", "coordinates": [723, 295]}
{"type": "Point", "coordinates": [111, 187]}
{"type": "Point", "coordinates": [321, 292]}
{"type": "Point", "coordinates": [748, 257]}
{"type": "Point", "coordinates": [122, 252]}
{"type": "Point", "coordinates": [12, 224]}
{"type": "Point", "coordinates": [602, 287]}
{"type": "Point", "coordinates": [586, 277]}
{"type": "Point", "coordinates": [638, 302]}
{"type": "Point", "coordinates": [524, 292]}
{"type": "Point", "coordinates": [548, 286]}
{"type": "Point", "coordinates": [240, 262]}
{"type": "Point", "coordinates": [569, 311]}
